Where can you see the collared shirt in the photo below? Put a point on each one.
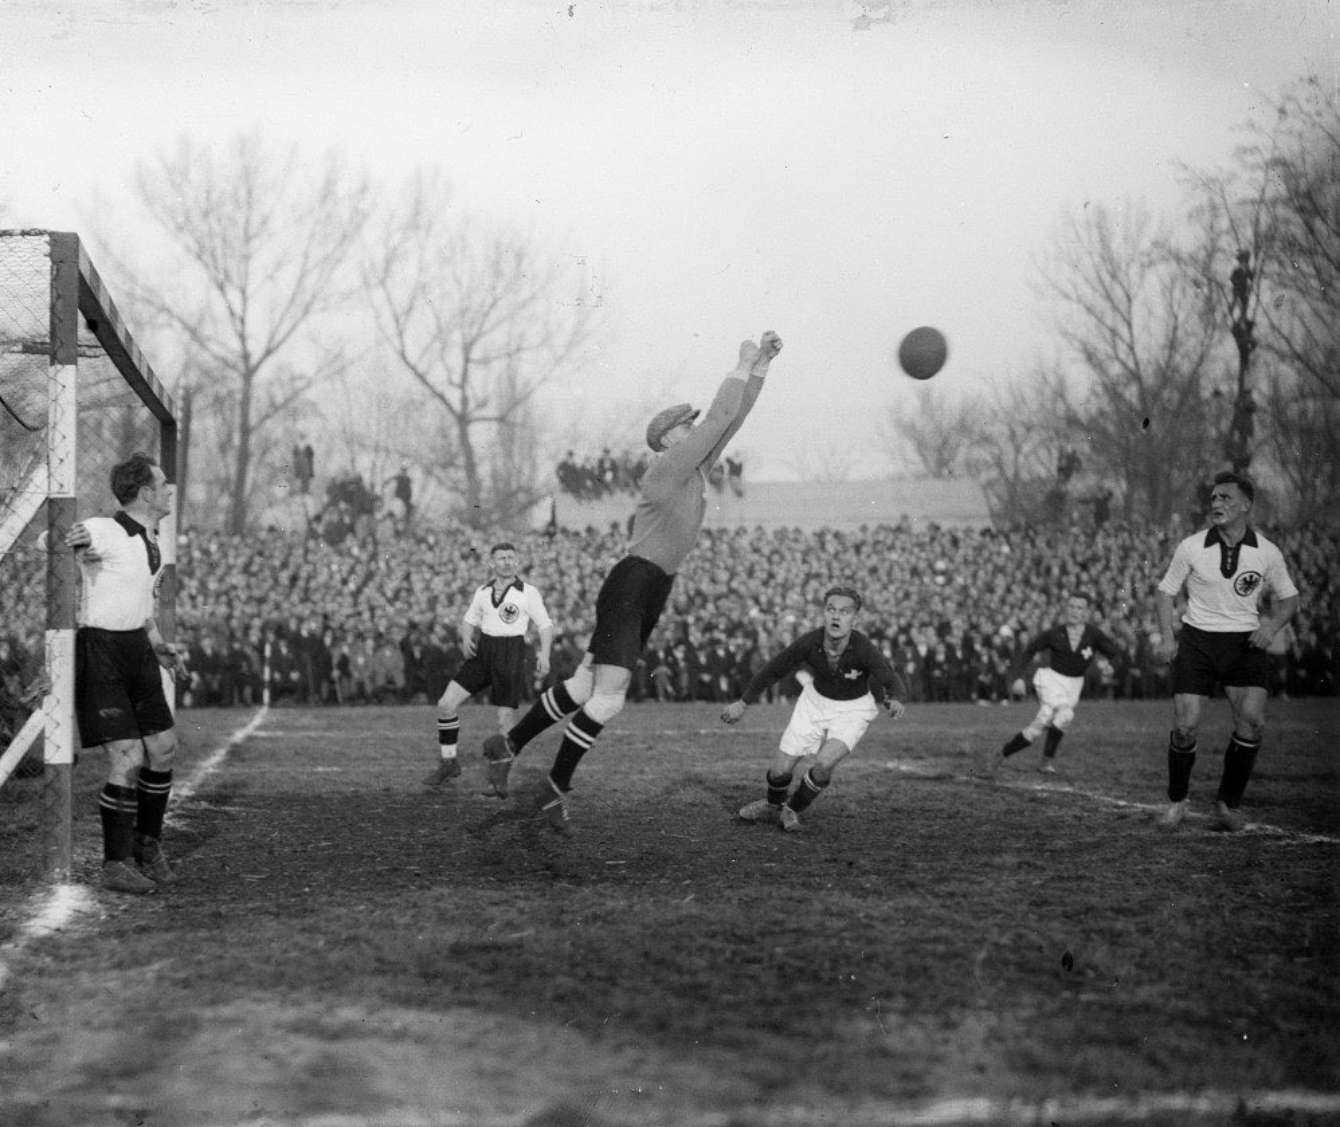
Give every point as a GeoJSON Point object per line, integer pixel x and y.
{"type": "Point", "coordinates": [1225, 582]}
{"type": "Point", "coordinates": [119, 588]}
{"type": "Point", "coordinates": [1067, 660]}
{"type": "Point", "coordinates": [510, 614]}
{"type": "Point", "coordinates": [861, 668]}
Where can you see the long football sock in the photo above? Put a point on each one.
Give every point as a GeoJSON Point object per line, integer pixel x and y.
{"type": "Point", "coordinates": [448, 735]}
{"type": "Point", "coordinates": [807, 792]}
{"type": "Point", "coordinates": [1015, 743]}
{"type": "Point", "coordinates": [151, 801]}
{"type": "Point", "coordinates": [1181, 758]}
{"type": "Point", "coordinates": [1239, 759]}
{"type": "Point", "coordinates": [1052, 742]}
{"type": "Point", "coordinates": [549, 708]}
{"type": "Point", "coordinates": [580, 734]}
{"type": "Point", "coordinates": [117, 806]}
{"type": "Point", "coordinates": [778, 786]}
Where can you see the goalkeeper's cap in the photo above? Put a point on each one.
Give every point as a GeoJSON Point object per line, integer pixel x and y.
{"type": "Point", "coordinates": [666, 421]}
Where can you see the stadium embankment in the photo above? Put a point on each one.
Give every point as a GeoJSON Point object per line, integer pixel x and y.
{"type": "Point", "coordinates": [808, 505]}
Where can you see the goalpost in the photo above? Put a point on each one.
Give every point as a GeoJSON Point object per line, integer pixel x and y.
{"type": "Point", "coordinates": [76, 398]}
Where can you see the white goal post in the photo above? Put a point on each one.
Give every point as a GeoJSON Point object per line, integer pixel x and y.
{"type": "Point", "coordinates": [76, 397]}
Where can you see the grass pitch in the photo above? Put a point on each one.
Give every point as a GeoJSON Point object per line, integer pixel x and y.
{"type": "Point", "coordinates": [346, 947]}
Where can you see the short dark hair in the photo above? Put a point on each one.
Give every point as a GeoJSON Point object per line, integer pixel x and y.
{"type": "Point", "coordinates": [1080, 593]}
{"type": "Point", "coordinates": [1242, 481]}
{"type": "Point", "coordinates": [848, 592]}
{"type": "Point", "coordinates": [503, 546]}
{"type": "Point", "coordinates": [132, 475]}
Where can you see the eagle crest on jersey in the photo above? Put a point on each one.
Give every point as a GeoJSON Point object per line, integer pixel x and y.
{"type": "Point", "coordinates": [1246, 583]}
{"type": "Point", "coordinates": [509, 612]}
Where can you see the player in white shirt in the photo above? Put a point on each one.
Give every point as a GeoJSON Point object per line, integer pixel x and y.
{"type": "Point", "coordinates": [120, 702]}
{"type": "Point", "coordinates": [493, 638]}
{"type": "Point", "coordinates": [1224, 572]}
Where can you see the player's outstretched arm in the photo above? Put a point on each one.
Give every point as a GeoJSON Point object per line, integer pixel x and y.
{"type": "Point", "coordinates": [770, 344]}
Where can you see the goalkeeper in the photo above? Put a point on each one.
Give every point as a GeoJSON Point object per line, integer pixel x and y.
{"type": "Point", "coordinates": [845, 678]}
{"type": "Point", "coordinates": [670, 510]}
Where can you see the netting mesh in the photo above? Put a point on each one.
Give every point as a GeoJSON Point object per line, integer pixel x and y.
{"type": "Point", "coordinates": [25, 319]}
{"type": "Point", "coordinates": [102, 423]}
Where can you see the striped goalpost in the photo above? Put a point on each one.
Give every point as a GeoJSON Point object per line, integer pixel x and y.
{"type": "Point", "coordinates": [76, 397]}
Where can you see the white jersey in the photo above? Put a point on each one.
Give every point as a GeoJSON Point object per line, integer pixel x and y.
{"type": "Point", "coordinates": [120, 586]}
{"type": "Point", "coordinates": [511, 615]}
{"type": "Point", "coordinates": [1224, 583]}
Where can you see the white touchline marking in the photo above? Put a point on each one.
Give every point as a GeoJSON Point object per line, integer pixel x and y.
{"type": "Point", "coordinates": [965, 1110]}
{"type": "Point", "coordinates": [1261, 828]}
{"type": "Point", "coordinates": [182, 791]}
{"type": "Point", "coordinates": [53, 909]}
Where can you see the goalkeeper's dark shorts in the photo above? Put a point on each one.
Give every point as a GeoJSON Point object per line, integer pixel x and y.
{"type": "Point", "coordinates": [1208, 657]}
{"type": "Point", "coordinates": [499, 665]}
{"type": "Point", "coordinates": [118, 686]}
{"type": "Point", "coordinates": [629, 606]}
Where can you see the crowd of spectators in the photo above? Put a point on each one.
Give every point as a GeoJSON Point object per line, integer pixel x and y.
{"type": "Point", "coordinates": [591, 479]}
{"type": "Point", "coordinates": [375, 619]}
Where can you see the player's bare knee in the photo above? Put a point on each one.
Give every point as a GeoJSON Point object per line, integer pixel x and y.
{"type": "Point", "coordinates": [1184, 737]}
{"type": "Point", "coordinates": [580, 685]}
{"type": "Point", "coordinates": [1062, 717]}
{"type": "Point", "coordinates": [821, 774]}
{"type": "Point", "coordinates": [604, 705]}
{"type": "Point", "coordinates": [161, 750]}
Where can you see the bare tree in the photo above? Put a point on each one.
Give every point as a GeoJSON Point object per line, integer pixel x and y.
{"type": "Point", "coordinates": [1013, 449]}
{"type": "Point", "coordinates": [939, 435]}
{"type": "Point", "coordinates": [1280, 207]}
{"type": "Point", "coordinates": [1135, 319]}
{"type": "Point", "coordinates": [266, 238]}
{"type": "Point", "coordinates": [1297, 160]}
{"type": "Point", "coordinates": [482, 322]}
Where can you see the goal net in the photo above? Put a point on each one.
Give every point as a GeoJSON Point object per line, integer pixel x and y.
{"type": "Point", "coordinates": [76, 398]}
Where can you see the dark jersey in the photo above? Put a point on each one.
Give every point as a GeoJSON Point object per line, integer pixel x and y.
{"type": "Point", "coordinates": [1067, 660]}
{"type": "Point", "coordinates": [861, 668]}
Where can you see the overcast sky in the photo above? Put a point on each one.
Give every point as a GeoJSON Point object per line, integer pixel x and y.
{"type": "Point", "coordinates": [721, 168]}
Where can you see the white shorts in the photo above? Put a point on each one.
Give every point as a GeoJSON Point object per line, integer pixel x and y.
{"type": "Point", "coordinates": [1056, 690]}
{"type": "Point", "coordinates": [816, 718]}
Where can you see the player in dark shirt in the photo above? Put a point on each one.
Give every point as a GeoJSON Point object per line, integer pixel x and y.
{"type": "Point", "coordinates": [845, 678]}
{"type": "Point", "coordinates": [1071, 645]}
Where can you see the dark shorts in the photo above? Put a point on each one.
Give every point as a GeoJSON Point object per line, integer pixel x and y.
{"type": "Point", "coordinates": [627, 610]}
{"type": "Point", "coordinates": [1206, 658]}
{"type": "Point", "coordinates": [499, 665]}
{"type": "Point", "coordinates": [118, 686]}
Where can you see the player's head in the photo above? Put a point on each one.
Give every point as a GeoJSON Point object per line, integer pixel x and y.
{"type": "Point", "coordinates": [670, 426]}
{"type": "Point", "coordinates": [139, 482]}
{"type": "Point", "coordinates": [1231, 497]}
{"type": "Point", "coordinates": [841, 605]}
{"type": "Point", "coordinates": [1077, 607]}
{"type": "Point", "coordinates": [504, 558]}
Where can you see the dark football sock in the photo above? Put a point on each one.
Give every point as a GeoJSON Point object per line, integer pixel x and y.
{"type": "Point", "coordinates": [151, 801]}
{"type": "Point", "coordinates": [1180, 761]}
{"type": "Point", "coordinates": [448, 735]}
{"type": "Point", "coordinates": [581, 733]}
{"type": "Point", "coordinates": [1016, 742]}
{"type": "Point", "coordinates": [778, 786]}
{"type": "Point", "coordinates": [1052, 742]}
{"type": "Point", "coordinates": [1239, 759]}
{"type": "Point", "coordinates": [117, 806]}
{"type": "Point", "coordinates": [549, 708]}
{"type": "Point", "coordinates": [806, 793]}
